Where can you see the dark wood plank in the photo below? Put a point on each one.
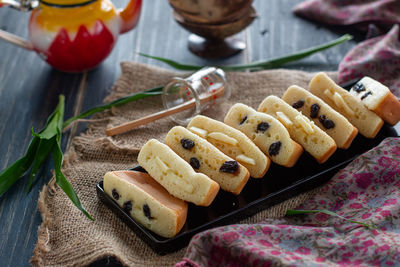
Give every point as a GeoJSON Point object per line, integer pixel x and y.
{"type": "Point", "coordinates": [278, 32]}
{"type": "Point", "coordinates": [29, 89]}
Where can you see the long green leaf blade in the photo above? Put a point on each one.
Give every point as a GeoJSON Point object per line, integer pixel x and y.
{"type": "Point", "coordinates": [57, 156]}
{"type": "Point", "coordinates": [63, 183]}
{"type": "Point", "coordinates": [14, 172]}
{"type": "Point", "coordinates": [116, 103]}
{"type": "Point", "coordinates": [43, 151]}
{"type": "Point", "coordinates": [48, 136]}
{"type": "Point", "coordinates": [328, 212]}
{"type": "Point", "coordinates": [278, 62]}
{"type": "Point", "coordinates": [269, 64]}
{"type": "Point", "coordinates": [51, 128]}
{"type": "Point", "coordinates": [172, 63]}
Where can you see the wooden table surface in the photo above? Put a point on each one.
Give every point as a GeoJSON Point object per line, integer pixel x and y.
{"type": "Point", "coordinates": [29, 89]}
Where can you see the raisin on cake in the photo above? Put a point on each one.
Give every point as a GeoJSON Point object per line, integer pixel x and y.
{"type": "Point", "coordinates": [329, 120]}
{"type": "Point", "coordinates": [207, 159]}
{"type": "Point", "coordinates": [377, 98]}
{"type": "Point", "coordinates": [366, 121]}
{"type": "Point", "coordinates": [231, 142]}
{"type": "Point", "coordinates": [176, 175]}
{"type": "Point", "coordinates": [146, 201]}
{"type": "Point", "coordinates": [315, 141]}
{"type": "Point", "coordinates": [266, 132]}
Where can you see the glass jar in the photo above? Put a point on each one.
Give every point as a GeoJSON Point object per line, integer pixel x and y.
{"type": "Point", "coordinates": [200, 91]}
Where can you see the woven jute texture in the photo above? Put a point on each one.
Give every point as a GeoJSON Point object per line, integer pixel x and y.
{"type": "Point", "coordinates": [66, 237]}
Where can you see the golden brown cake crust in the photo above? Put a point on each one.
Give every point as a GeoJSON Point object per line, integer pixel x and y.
{"type": "Point", "coordinates": [326, 156]}
{"type": "Point", "coordinates": [297, 151]}
{"type": "Point", "coordinates": [213, 191]}
{"type": "Point", "coordinates": [351, 138]}
{"type": "Point", "coordinates": [181, 216]}
{"type": "Point", "coordinates": [377, 129]}
{"type": "Point", "coordinates": [389, 109]}
{"type": "Point", "coordinates": [266, 168]}
{"type": "Point", "coordinates": [239, 188]}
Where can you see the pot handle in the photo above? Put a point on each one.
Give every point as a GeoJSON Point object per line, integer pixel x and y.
{"type": "Point", "coordinates": [12, 38]}
{"type": "Point", "coordinates": [129, 15]}
{"type": "Point", "coordinates": [16, 40]}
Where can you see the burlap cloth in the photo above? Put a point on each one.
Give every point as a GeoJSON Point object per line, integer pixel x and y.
{"type": "Point", "coordinates": [66, 237]}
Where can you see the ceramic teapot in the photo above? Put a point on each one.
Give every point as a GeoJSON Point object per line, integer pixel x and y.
{"type": "Point", "coordinates": [73, 35]}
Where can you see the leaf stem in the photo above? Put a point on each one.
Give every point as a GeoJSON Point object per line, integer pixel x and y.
{"type": "Point", "coordinates": [268, 64]}
{"type": "Point", "coordinates": [328, 212]}
{"type": "Point", "coordinates": [121, 101]}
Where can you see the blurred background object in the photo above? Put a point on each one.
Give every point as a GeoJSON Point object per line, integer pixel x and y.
{"type": "Point", "coordinates": [73, 35]}
{"type": "Point", "coordinates": [212, 22]}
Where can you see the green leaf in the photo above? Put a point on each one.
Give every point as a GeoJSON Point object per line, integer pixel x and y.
{"type": "Point", "coordinates": [48, 141]}
{"type": "Point", "coordinates": [269, 64]}
{"type": "Point", "coordinates": [14, 172]}
{"type": "Point", "coordinates": [43, 151]}
{"type": "Point", "coordinates": [172, 63]}
{"type": "Point", "coordinates": [328, 212]}
{"type": "Point", "coordinates": [116, 103]}
{"type": "Point", "coordinates": [58, 158]}
{"type": "Point", "coordinates": [50, 129]}
{"type": "Point", "coordinates": [47, 136]}
{"type": "Point", "coordinates": [63, 183]}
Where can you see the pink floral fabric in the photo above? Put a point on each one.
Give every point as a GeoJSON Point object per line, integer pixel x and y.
{"type": "Point", "coordinates": [367, 190]}
{"type": "Point", "coordinates": [360, 13]}
{"type": "Point", "coordinates": [378, 58]}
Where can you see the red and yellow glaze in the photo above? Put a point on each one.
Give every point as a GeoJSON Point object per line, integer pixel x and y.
{"type": "Point", "coordinates": [79, 38]}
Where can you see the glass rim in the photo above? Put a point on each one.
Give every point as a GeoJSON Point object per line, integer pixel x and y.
{"type": "Point", "coordinates": [196, 97]}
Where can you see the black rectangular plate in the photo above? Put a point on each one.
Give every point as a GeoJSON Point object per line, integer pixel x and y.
{"type": "Point", "coordinates": [279, 184]}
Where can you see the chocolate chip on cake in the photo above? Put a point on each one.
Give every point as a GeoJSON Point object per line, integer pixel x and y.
{"type": "Point", "coordinates": [314, 109]}
{"type": "Point", "coordinates": [230, 166]}
{"type": "Point", "coordinates": [243, 120]}
{"type": "Point", "coordinates": [359, 87]}
{"type": "Point", "coordinates": [262, 126]}
{"type": "Point", "coordinates": [147, 212]}
{"type": "Point", "coordinates": [366, 94]}
{"type": "Point", "coordinates": [195, 163]}
{"type": "Point", "coordinates": [274, 148]}
{"type": "Point", "coordinates": [115, 194]}
{"type": "Point", "coordinates": [298, 104]}
{"type": "Point", "coordinates": [127, 206]}
{"type": "Point", "coordinates": [327, 123]}
{"type": "Point", "coordinates": [187, 143]}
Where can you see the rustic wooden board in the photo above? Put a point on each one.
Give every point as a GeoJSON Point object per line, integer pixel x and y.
{"type": "Point", "coordinates": [29, 89]}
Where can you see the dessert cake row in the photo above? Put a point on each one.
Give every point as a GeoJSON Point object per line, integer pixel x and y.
{"type": "Point", "coordinates": [195, 162]}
